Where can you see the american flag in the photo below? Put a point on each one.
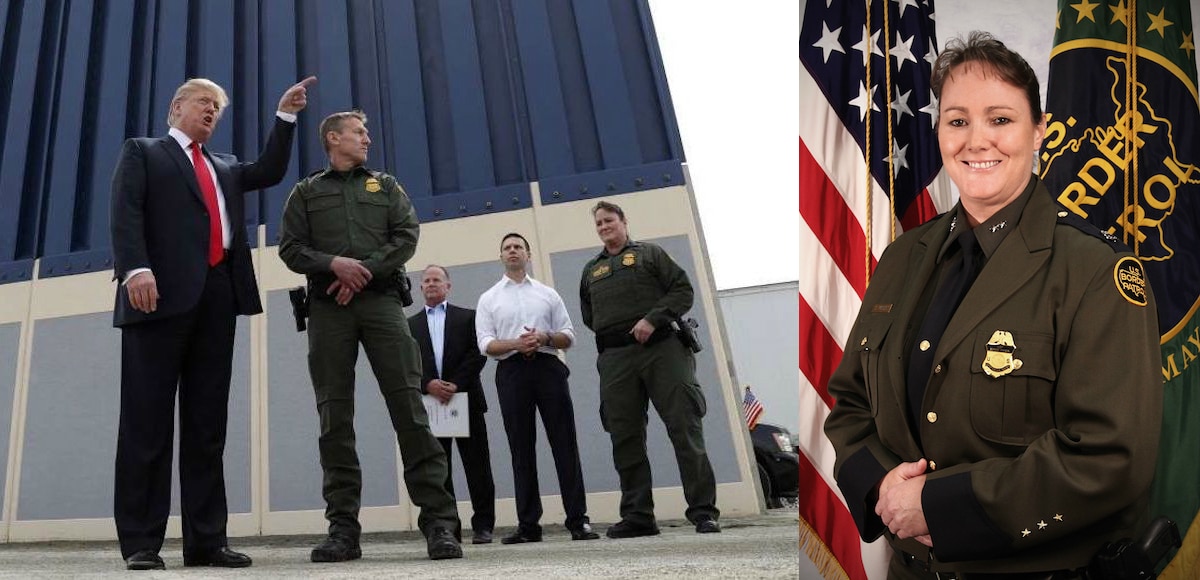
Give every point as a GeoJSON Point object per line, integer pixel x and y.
{"type": "Point", "coordinates": [843, 228]}
{"type": "Point", "coordinates": [752, 409]}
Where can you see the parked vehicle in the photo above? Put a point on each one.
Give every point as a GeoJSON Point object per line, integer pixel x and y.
{"type": "Point", "coordinates": [778, 464]}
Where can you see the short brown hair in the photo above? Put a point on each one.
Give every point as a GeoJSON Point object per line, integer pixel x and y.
{"type": "Point", "coordinates": [608, 206]}
{"type": "Point", "coordinates": [515, 235]}
{"type": "Point", "coordinates": [983, 48]}
{"type": "Point", "coordinates": [333, 124]}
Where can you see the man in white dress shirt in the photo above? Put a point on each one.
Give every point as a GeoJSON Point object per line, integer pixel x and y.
{"type": "Point", "coordinates": [522, 323]}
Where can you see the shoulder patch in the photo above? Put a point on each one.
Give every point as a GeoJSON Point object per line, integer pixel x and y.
{"type": "Point", "coordinates": [1131, 280]}
{"type": "Point", "coordinates": [1072, 219]}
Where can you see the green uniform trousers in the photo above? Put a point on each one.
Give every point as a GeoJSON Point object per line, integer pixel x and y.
{"type": "Point", "coordinates": [663, 373]}
{"type": "Point", "coordinates": [377, 321]}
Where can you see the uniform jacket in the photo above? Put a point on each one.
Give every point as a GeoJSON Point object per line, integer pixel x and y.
{"type": "Point", "coordinates": [461, 360]}
{"type": "Point", "coordinates": [640, 281]}
{"type": "Point", "coordinates": [360, 214]}
{"type": "Point", "coordinates": [1030, 470]}
{"type": "Point", "coordinates": [159, 220]}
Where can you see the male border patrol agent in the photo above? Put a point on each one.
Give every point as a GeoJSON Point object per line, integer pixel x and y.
{"type": "Point", "coordinates": [629, 295]}
{"type": "Point", "coordinates": [350, 231]}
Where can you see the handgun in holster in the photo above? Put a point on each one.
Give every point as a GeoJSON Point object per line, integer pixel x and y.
{"type": "Point", "coordinates": [299, 298]}
{"type": "Point", "coordinates": [404, 285]}
{"type": "Point", "coordinates": [1126, 559]}
{"type": "Point", "coordinates": [685, 330]}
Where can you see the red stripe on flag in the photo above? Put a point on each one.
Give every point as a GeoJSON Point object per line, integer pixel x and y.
{"type": "Point", "coordinates": [825, 211]}
{"type": "Point", "coordinates": [823, 352]}
{"type": "Point", "coordinates": [919, 211]}
{"type": "Point", "coordinates": [827, 516]}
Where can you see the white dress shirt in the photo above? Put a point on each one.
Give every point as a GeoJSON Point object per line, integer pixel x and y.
{"type": "Point", "coordinates": [508, 309]}
{"type": "Point", "coordinates": [436, 317]}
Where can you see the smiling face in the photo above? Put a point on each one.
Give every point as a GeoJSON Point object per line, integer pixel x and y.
{"type": "Point", "coordinates": [987, 136]}
{"type": "Point", "coordinates": [196, 113]}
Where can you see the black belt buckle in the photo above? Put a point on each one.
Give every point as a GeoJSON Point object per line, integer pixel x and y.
{"type": "Point", "coordinates": [911, 561]}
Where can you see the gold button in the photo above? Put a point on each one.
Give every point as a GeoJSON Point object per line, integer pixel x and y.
{"type": "Point", "coordinates": [932, 465]}
{"type": "Point", "coordinates": [937, 369]}
{"type": "Point", "coordinates": [924, 345]}
{"type": "Point", "coordinates": [932, 417]}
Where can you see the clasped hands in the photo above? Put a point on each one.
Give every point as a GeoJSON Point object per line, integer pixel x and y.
{"type": "Point", "coordinates": [352, 277]}
{"type": "Point", "coordinates": [899, 504]}
{"type": "Point", "coordinates": [531, 340]}
{"type": "Point", "coordinates": [442, 390]}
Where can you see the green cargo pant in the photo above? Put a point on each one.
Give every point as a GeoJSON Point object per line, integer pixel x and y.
{"type": "Point", "coordinates": [663, 373]}
{"type": "Point", "coordinates": [334, 333]}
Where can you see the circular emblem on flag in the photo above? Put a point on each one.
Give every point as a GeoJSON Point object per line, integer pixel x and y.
{"type": "Point", "coordinates": [1131, 280]}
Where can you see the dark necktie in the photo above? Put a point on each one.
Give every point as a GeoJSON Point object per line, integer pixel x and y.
{"type": "Point", "coordinates": [954, 286]}
{"type": "Point", "coordinates": [216, 243]}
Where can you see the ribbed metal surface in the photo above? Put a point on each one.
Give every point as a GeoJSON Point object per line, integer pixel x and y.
{"type": "Point", "coordinates": [469, 101]}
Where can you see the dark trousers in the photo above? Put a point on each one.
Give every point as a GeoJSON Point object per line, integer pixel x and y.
{"type": "Point", "coordinates": [477, 465]}
{"type": "Point", "coordinates": [538, 385]}
{"type": "Point", "coordinates": [375, 320]}
{"type": "Point", "coordinates": [663, 374]}
{"type": "Point", "coordinates": [191, 353]}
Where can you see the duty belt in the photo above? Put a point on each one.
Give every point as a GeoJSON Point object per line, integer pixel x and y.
{"type": "Point", "coordinates": [619, 338]}
{"type": "Point", "coordinates": [318, 283]}
{"type": "Point", "coordinates": [913, 561]}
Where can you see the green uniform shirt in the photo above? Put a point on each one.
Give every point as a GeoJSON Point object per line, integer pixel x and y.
{"type": "Point", "coordinates": [640, 281]}
{"type": "Point", "coordinates": [358, 214]}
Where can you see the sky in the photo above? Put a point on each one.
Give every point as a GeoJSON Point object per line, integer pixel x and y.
{"type": "Point", "coordinates": [732, 71]}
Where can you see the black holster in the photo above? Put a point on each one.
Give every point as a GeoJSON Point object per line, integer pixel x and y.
{"type": "Point", "coordinates": [299, 298]}
{"type": "Point", "coordinates": [685, 330]}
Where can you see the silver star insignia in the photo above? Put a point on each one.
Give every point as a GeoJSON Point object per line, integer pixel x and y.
{"type": "Point", "coordinates": [1042, 525]}
{"type": "Point", "coordinates": [1025, 532]}
{"type": "Point", "coordinates": [999, 226]}
{"type": "Point", "coordinates": [953, 224]}
{"type": "Point", "coordinates": [1058, 517]}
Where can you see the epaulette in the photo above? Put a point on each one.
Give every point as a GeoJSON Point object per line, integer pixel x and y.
{"type": "Point", "coordinates": [1072, 219]}
{"type": "Point", "coordinates": [315, 173]}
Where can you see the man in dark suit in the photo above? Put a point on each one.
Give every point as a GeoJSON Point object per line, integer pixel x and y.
{"type": "Point", "coordinates": [451, 363]}
{"type": "Point", "coordinates": [183, 265]}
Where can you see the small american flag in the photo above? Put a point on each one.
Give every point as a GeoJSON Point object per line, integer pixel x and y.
{"type": "Point", "coordinates": [752, 409]}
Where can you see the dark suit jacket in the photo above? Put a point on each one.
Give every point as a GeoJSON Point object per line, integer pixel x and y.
{"type": "Point", "coordinates": [461, 360]}
{"type": "Point", "coordinates": [159, 220]}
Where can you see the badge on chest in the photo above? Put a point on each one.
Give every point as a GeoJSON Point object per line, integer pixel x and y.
{"type": "Point", "coordinates": [999, 360]}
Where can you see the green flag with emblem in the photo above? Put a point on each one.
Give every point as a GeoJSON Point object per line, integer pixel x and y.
{"type": "Point", "coordinates": [1122, 150]}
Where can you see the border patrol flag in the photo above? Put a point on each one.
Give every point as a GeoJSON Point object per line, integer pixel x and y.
{"type": "Point", "coordinates": [1122, 150]}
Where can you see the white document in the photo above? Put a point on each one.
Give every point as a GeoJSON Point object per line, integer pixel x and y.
{"type": "Point", "coordinates": [449, 420]}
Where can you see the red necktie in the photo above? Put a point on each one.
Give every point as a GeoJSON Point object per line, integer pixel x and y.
{"type": "Point", "coordinates": [216, 242]}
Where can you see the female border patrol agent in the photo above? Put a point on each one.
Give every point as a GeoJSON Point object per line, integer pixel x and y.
{"type": "Point", "coordinates": [629, 294]}
{"type": "Point", "coordinates": [1015, 435]}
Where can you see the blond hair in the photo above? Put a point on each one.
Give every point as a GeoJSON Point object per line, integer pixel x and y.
{"type": "Point", "coordinates": [193, 85]}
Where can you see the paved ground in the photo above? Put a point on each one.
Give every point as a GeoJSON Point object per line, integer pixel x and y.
{"type": "Point", "coordinates": [758, 547]}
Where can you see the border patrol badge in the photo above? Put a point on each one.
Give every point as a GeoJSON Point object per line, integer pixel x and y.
{"type": "Point", "coordinates": [600, 271]}
{"type": "Point", "coordinates": [629, 259]}
{"type": "Point", "coordinates": [999, 360]}
{"type": "Point", "coordinates": [1131, 280]}
{"type": "Point", "coordinates": [373, 185]}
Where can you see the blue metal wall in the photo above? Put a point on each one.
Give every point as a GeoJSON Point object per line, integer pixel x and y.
{"type": "Point", "coordinates": [469, 101]}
